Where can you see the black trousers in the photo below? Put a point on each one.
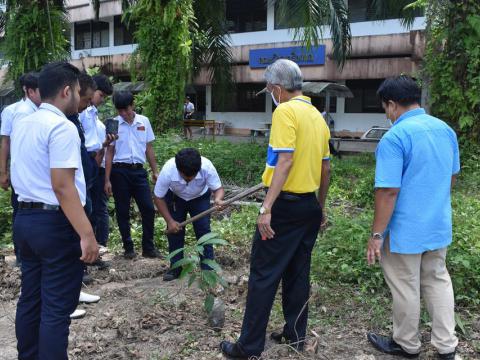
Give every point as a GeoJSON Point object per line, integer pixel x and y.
{"type": "Point", "coordinates": [128, 183]}
{"type": "Point", "coordinates": [284, 258]}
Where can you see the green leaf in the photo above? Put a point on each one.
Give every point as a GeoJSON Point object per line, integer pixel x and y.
{"type": "Point", "coordinates": [200, 249]}
{"type": "Point", "coordinates": [187, 269]}
{"type": "Point", "coordinates": [173, 253]}
{"type": "Point", "coordinates": [460, 324]}
{"type": "Point", "coordinates": [215, 242]}
{"type": "Point", "coordinates": [213, 264]}
{"type": "Point", "coordinates": [182, 262]}
{"type": "Point", "coordinates": [206, 237]}
{"type": "Point", "coordinates": [210, 278]}
{"type": "Point", "coordinates": [209, 300]}
{"type": "Point", "coordinates": [192, 279]}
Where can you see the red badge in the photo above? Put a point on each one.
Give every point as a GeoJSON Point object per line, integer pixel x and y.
{"type": "Point", "coordinates": [141, 128]}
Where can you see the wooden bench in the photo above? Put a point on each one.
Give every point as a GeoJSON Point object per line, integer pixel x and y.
{"type": "Point", "coordinates": [255, 132]}
{"type": "Point", "coordinates": [202, 124]}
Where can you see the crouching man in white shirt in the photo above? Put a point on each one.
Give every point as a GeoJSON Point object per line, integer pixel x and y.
{"type": "Point", "coordinates": [184, 186]}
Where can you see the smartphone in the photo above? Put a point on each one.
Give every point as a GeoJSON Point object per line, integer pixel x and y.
{"type": "Point", "coordinates": [111, 125]}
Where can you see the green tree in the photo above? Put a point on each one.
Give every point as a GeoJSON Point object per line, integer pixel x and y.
{"type": "Point", "coordinates": [35, 34]}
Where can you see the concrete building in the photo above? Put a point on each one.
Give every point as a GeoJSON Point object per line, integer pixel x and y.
{"type": "Point", "coordinates": [379, 49]}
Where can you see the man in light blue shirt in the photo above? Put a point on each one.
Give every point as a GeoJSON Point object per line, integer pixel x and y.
{"type": "Point", "coordinates": [417, 163]}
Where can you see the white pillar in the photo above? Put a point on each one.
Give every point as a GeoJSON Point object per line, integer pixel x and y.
{"type": "Point", "coordinates": [111, 37]}
{"type": "Point", "coordinates": [270, 16]}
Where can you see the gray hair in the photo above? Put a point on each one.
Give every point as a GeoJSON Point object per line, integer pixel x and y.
{"type": "Point", "coordinates": [285, 73]}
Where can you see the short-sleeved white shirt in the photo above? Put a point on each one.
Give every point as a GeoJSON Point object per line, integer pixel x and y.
{"type": "Point", "coordinates": [88, 118]}
{"type": "Point", "coordinates": [102, 132]}
{"type": "Point", "coordinates": [189, 107]}
{"type": "Point", "coordinates": [42, 141]}
{"type": "Point", "coordinates": [24, 109]}
{"type": "Point", "coordinates": [131, 145]}
{"type": "Point", "coordinates": [170, 179]}
{"type": "Point", "coordinates": [7, 117]}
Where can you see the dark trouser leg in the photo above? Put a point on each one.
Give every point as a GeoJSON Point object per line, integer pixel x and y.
{"type": "Point", "coordinates": [270, 260]}
{"type": "Point", "coordinates": [122, 196]}
{"type": "Point", "coordinates": [202, 226]}
{"type": "Point", "coordinates": [296, 288]}
{"type": "Point", "coordinates": [100, 215]}
{"type": "Point", "coordinates": [178, 210]}
{"type": "Point", "coordinates": [143, 197]}
{"type": "Point", "coordinates": [14, 203]}
{"type": "Point", "coordinates": [54, 242]}
{"type": "Point", "coordinates": [27, 321]}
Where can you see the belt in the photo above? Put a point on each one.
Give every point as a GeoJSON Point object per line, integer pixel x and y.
{"type": "Point", "coordinates": [285, 195]}
{"type": "Point", "coordinates": [37, 205]}
{"type": "Point", "coordinates": [127, 165]}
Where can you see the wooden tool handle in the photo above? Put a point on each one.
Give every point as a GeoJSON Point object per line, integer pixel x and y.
{"type": "Point", "coordinates": [228, 202]}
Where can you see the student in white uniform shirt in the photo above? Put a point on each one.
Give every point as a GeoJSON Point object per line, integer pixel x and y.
{"type": "Point", "coordinates": [184, 186]}
{"type": "Point", "coordinates": [28, 105]}
{"type": "Point", "coordinates": [5, 130]}
{"type": "Point", "coordinates": [125, 176]}
{"type": "Point", "coordinates": [51, 228]}
{"type": "Point", "coordinates": [88, 118]}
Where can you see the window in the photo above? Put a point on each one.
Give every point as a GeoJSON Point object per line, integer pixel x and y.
{"type": "Point", "coordinates": [246, 16]}
{"type": "Point", "coordinates": [364, 10]}
{"type": "Point", "coordinates": [122, 33]}
{"type": "Point", "coordinates": [365, 99]}
{"type": "Point", "coordinates": [94, 34]}
{"type": "Point", "coordinates": [242, 99]}
{"type": "Point", "coordinates": [291, 21]}
{"type": "Point", "coordinates": [319, 103]}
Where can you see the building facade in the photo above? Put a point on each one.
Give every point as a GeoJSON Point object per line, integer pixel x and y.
{"type": "Point", "coordinates": [379, 49]}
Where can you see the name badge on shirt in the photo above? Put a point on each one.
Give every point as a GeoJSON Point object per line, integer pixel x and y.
{"type": "Point", "coordinates": [141, 128]}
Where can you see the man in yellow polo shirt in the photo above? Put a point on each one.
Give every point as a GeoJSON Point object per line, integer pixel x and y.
{"type": "Point", "coordinates": [290, 217]}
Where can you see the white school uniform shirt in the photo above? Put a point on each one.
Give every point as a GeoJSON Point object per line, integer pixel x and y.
{"type": "Point", "coordinates": [170, 179]}
{"type": "Point", "coordinates": [102, 132]}
{"type": "Point", "coordinates": [23, 109]}
{"type": "Point", "coordinates": [188, 107]}
{"type": "Point", "coordinates": [88, 118]}
{"type": "Point", "coordinates": [131, 145]}
{"type": "Point", "coordinates": [42, 141]}
{"type": "Point", "coordinates": [7, 117]}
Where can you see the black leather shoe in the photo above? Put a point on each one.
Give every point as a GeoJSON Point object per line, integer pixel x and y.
{"type": "Point", "coordinates": [129, 254]}
{"type": "Point", "coordinates": [102, 265]}
{"type": "Point", "coordinates": [87, 279]}
{"type": "Point", "coordinates": [171, 275]}
{"type": "Point", "coordinates": [388, 346]}
{"type": "Point", "coordinates": [152, 254]}
{"type": "Point", "coordinates": [449, 356]}
{"type": "Point", "coordinates": [232, 350]}
{"type": "Point", "coordinates": [278, 337]}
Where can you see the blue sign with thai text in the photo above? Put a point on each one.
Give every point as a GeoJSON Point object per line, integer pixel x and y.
{"type": "Point", "coordinates": [260, 58]}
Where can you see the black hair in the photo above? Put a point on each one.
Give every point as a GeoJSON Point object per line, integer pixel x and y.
{"type": "Point", "coordinates": [21, 81]}
{"type": "Point", "coordinates": [86, 82]}
{"type": "Point", "coordinates": [103, 84]}
{"type": "Point", "coordinates": [188, 161]}
{"type": "Point", "coordinates": [122, 99]}
{"type": "Point", "coordinates": [187, 97]}
{"type": "Point", "coordinates": [55, 76]}
{"type": "Point", "coordinates": [400, 89]}
{"type": "Point", "coordinates": [30, 81]}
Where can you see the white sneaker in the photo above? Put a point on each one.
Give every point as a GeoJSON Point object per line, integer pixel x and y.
{"type": "Point", "coordinates": [87, 298]}
{"type": "Point", "coordinates": [102, 250]}
{"type": "Point", "coordinates": [78, 314]}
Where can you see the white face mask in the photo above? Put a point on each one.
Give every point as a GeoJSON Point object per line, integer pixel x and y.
{"type": "Point", "coordinates": [274, 100]}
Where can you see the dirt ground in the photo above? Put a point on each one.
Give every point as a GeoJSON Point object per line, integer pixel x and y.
{"type": "Point", "coordinates": [141, 317]}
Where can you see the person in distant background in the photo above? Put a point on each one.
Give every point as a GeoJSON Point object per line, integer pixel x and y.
{"type": "Point", "coordinates": [188, 110]}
